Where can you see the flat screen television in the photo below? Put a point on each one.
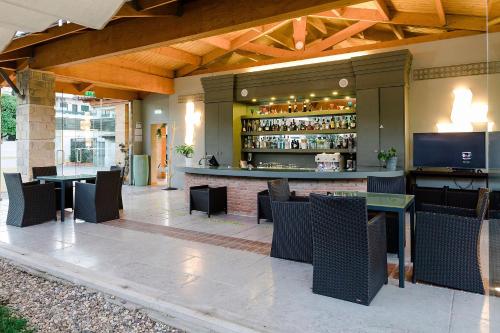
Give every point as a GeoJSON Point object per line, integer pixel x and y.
{"type": "Point", "coordinates": [450, 150]}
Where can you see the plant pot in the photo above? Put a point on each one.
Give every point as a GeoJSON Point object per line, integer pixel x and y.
{"type": "Point", "coordinates": [392, 163]}
{"type": "Point", "coordinates": [188, 161]}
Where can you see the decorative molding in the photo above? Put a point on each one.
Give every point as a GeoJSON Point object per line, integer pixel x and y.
{"type": "Point", "coordinates": [191, 98]}
{"type": "Point", "coordinates": [478, 68]}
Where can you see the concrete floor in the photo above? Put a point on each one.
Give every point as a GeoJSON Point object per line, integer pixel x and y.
{"type": "Point", "coordinates": [250, 289]}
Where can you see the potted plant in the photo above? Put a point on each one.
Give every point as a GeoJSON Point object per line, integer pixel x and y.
{"type": "Point", "coordinates": [389, 158]}
{"type": "Point", "coordinates": [187, 151]}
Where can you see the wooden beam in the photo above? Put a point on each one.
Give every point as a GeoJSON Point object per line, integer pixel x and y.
{"type": "Point", "coordinates": [219, 42]}
{"type": "Point", "coordinates": [201, 19]}
{"type": "Point", "coordinates": [12, 65]}
{"type": "Point", "coordinates": [178, 55]}
{"type": "Point", "coordinates": [382, 9]}
{"type": "Point", "coordinates": [361, 48]}
{"type": "Point", "coordinates": [340, 36]}
{"type": "Point", "coordinates": [47, 35]}
{"type": "Point", "coordinates": [236, 43]}
{"type": "Point", "coordinates": [267, 50]}
{"type": "Point", "coordinates": [83, 87]}
{"type": "Point", "coordinates": [16, 55]}
{"type": "Point", "coordinates": [150, 4]}
{"type": "Point", "coordinates": [100, 92]}
{"type": "Point", "coordinates": [397, 30]}
{"type": "Point", "coordinates": [116, 77]}
{"type": "Point", "coordinates": [318, 23]}
{"type": "Point", "coordinates": [440, 12]}
{"type": "Point", "coordinates": [299, 32]}
{"type": "Point", "coordinates": [138, 66]}
{"type": "Point", "coordinates": [128, 10]}
{"type": "Point", "coordinates": [494, 21]}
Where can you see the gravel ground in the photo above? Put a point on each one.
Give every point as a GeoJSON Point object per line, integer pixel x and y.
{"type": "Point", "coordinates": [58, 306]}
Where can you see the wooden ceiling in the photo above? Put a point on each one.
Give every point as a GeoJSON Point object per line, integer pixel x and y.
{"type": "Point", "coordinates": [150, 42]}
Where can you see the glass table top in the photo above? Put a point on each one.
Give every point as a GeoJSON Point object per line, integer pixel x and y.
{"type": "Point", "coordinates": [387, 200]}
{"type": "Point", "coordinates": [69, 177]}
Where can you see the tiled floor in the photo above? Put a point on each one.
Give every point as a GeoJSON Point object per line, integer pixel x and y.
{"type": "Point", "coordinates": [247, 287]}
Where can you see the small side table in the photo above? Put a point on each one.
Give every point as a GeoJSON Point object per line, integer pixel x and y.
{"type": "Point", "coordinates": [208, 199]}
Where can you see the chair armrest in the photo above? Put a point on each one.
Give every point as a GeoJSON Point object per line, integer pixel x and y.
{"type": "Point", "coordinates": [299, 199]}
{"type": "Point", "coordinates": [40, 192]}
{"type": "Point", "coordinates": [448, 210]}
{"type": "Point", "coordinates": [85, 189]}
{"type": "Point", "coordinates": [35, 182]}
{"type": "Point", "coordinates": [291, 210]}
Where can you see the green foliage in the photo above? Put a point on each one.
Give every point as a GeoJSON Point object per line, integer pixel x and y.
{"type": "Point", "coordinates": [385, 155]}
{"type": "Point", "coordinates": [8, 105]}
{"type": "Point", "coordinates": [185, 150]}
{"type": "Point", "coordinates": [87, 156]}
{"type": "Point", "coordinates": [12, 324]}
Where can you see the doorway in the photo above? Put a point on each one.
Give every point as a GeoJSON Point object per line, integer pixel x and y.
{"type": "Point", "coordinates": [159, 156]}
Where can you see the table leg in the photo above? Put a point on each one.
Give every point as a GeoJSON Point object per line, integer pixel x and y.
{"type": "Point", "coordinates": [412, 231]}
{"type": "Point", "coordinates": [401, 217]}
{"type": "Point", "coordinates": [63, 196]}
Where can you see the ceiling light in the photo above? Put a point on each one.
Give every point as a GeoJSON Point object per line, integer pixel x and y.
{"type": "Point", "coordinates": [335, 93]}
{"type": "Point", "coordinates": [158, 111]}
{"type": "Point", "coordinates": [307, 100]}
{"type": "Point", "coordinates": [273, 98]}
{"type": "Point", "coordinates": [299, 45]}
{"type": "Point", "coordinates": [289, 102]}
{"type": "Point", "coordinates": [292, 97]}
{"type": "Point", "coordinates": [347, 97]}
{"type": "Point", "coordinates": [254, 100]}
{"type": "Point", "coordinates": [326, 99]}
{"type": "Point", "coordinates": [271, 103]}
{"type": "Point", "coordinates": [312, 95]}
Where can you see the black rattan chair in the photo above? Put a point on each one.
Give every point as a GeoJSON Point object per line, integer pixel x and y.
{"type": "Point", "coordinates": [52, 171]}
{"type": "Point", "coordinates": [98, 202]}
{"type": "Point", "coordinates": [122, 174]}
{"type": "Point", "coordinates": [292, 231]}
{"type": "Point", "coordinates": [447, 245]}
{"type": "Point", "coordinates": [208, 199]}
{"type": "Point", "coordinates": [264, 206]}
{"type": "Point", "coordinates": [395, 185]}
{"type": "Point", "coordinates": [29, 203]}
{"type": "Point", "coordinates": [350, 254]}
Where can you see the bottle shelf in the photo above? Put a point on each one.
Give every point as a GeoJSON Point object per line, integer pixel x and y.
{"type": "Point", "coordinates": [328, 131]}
{"type": "Point", "coordinates": [301, 114]}
{"type": "Point", "coordinates": [298, 151]}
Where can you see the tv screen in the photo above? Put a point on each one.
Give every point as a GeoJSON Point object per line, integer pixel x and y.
{"type": "Point", "coordinates": [450, 150]}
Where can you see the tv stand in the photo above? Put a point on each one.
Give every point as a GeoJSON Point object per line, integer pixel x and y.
{"type": "Point", "coordinates": [464, 170]}
{"type": "Point", "coordinates": [450, 173]}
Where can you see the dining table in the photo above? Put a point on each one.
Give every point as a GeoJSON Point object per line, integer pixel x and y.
{"type": "Point", "coordinates": [401, 204]}
{"type": "Point", "coordinates": [63, 180]}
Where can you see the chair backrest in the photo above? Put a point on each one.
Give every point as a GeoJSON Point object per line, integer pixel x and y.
{"type": "Point", "coordinates": [341, 222]}
{"type": "Point", "coordinates": [395, 185]}
{"type": "Point", "coordinates": [44, 171]}
{"type": "Point", "coordinates": [107, 187]}
{"type": "Point", "coordinates": [279, 190]}
{"type": "Point", "coordinates": [483, 203]}
{"type": "Point", "coordinates": [14, 184]}
{"type": "Point", "coordinates": [117, 167]}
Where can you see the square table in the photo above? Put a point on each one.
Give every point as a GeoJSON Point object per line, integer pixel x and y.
{"type": "Point", "coordinates": [63, 180]}
{"type": "Point", "coordinates": [397, 203]}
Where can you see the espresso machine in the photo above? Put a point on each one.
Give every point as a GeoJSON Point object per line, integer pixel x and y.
{"type": "Point", "coordinates": [329, 162]}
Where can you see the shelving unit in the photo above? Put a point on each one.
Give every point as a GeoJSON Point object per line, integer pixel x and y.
{"type": "Point", "coordinates": [328, 131]}
{"type": "Point", "coordinates": [298, 151]}
{"type": "Point", "coordinates": [300, 114]}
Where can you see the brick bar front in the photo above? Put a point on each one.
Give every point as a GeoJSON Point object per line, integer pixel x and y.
{"type": "Point", "coordinates": [242, 191]}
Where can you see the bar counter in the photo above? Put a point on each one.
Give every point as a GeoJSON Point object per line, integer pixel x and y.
{"type": "Point", "coordinates": [243, 184]}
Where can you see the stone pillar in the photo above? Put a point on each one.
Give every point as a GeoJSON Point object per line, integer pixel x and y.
{"type": "Point", "coordinates": [121, 131]}
{"type": "Point", "coordinates": [36, 121]}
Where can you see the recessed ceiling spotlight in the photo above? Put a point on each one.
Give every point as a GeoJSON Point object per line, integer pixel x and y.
{"type": "Point", "coordinates": [273, 98]}
{"type": "Point", "coordinates": [335, 93]}
{"type": "Point", "coordinates": [312, 95]}
{"type": "Point", "coordinates": [347, 97]}
{"type": "Point", "coordinates": [299, 45]}
{"type": "Point", "coordinates": [254, 100]}
{"type": "Point", "coordinates": [292, 97]}
{"type": "Point", "coordinates": [271, 103]}
{"type": "Point", "coordinates": [289, 102]}
{"type": "Point", "coordinates": [326, 99]}
{"type": "Point", "coordinates": [307, 100]}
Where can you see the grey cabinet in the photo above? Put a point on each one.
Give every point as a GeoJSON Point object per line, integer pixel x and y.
{"type": "Point", "coordinates": [219, 131]}
{"type": "Point", "coordinates": [368, 122]}
{"type": "Point", "coordinates": [392, 121]}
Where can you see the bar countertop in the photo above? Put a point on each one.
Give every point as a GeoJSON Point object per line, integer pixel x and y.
{"type": "Point", "coordinates": [360, 173]}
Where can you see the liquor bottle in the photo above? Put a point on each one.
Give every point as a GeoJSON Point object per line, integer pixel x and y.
{"type": "Point", "coordinates": [295, 107]}
{"type": "Point", "coordinates": [332, 123]}
{"type": "Point", "coordinates": [310, 107]}
{"type": "Point", "coordinates": [323, 124]}
{"type": "Point", "coordinates": [289, 108]}
{"type": "Point", "coordinates": [266, 128]}
{"type": "Point", "coordinates": [259, 123]}
{"type": "Point", "coordinates": [310, 127]}
{"type": "Point", "coordinates": [353, 121]}
{"type": "Point", "coordinates": [343, 123]}
{"type": "Point", "coordinates": [304, 107]}
{"type": "Point", "coordinates": [244, 127]}
{"type": "Point", "coordinates": [287, 143]}
{"type": "Point", "coordinates": [285, 127]}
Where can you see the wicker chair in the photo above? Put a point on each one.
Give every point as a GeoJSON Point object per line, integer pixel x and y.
{"type": "Point", "coordinates": [350, 254]}
{"type": "Point", "coordinates": [98, 202]}
{"type": "Point", "coordinates": [394, 185]}
{"type": "Point", "coordinates": [292, 231]}
{"type": "Point", "coordinates": [264, 206]}
{"type": "Point", "coordinates": [447, 245]}
{"type": "Point", "coordinates": [52, 171]}
{"type": "Point", "coordinates": [29, 203]}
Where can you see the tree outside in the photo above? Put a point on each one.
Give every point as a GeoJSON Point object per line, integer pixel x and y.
{"type": "Point", "coordinates": [8, 105]}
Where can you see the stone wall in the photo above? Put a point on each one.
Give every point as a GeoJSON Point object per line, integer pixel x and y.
{"type": "Point", "coordinates": [242, 191]}
{"type": "Point", "coordinates": [35, 121]}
